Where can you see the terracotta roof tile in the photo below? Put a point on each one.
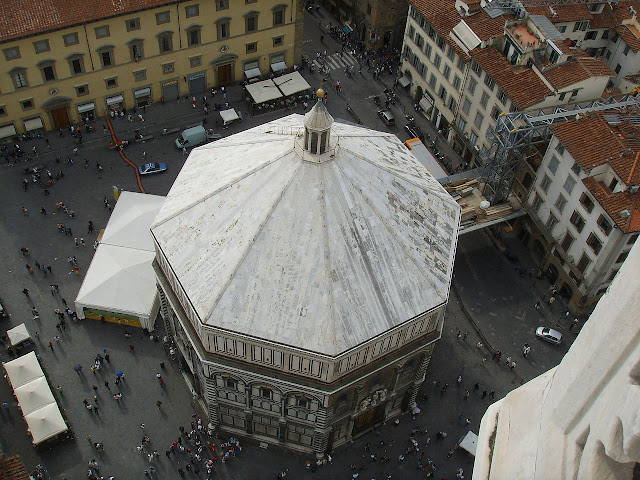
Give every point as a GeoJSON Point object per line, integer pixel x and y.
{"type": "Point", "coordinates": [40, 16]}
{"type": "Point", "coordinates": [591, 141]}
{"type": "Point", "coordinates": [562, 13]}
{"type": "Point", "coordinates": [521, 84]}
{"type": "Point", "coordinates": [442, 16]}
{"type": "Point", "coordinates": [630, 35]}
{"type": "Point", "coordinates": [486, 27]}
{"type": "Point", "coordinates": [563, 75]}
{"type": "Point", "coordinates": [12, 468]}
{"type": "Point", "coordinates": [614, 203]}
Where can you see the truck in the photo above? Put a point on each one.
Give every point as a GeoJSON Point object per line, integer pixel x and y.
{"type": "Point", "coordinates": [194, 136]}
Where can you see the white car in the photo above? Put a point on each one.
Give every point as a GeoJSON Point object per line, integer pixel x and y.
{"type": "Point", "coordinates": [549, 335]}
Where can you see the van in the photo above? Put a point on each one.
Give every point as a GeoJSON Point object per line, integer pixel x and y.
{"type": "Point", "coordinates": [191, 137]}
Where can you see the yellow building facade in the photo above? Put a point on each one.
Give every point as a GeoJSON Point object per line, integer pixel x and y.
{"type": "Point", "coordinates": [149, 51]}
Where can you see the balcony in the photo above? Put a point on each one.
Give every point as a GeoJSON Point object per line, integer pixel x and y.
{"type": "Point", "coordinates": [522, 37]}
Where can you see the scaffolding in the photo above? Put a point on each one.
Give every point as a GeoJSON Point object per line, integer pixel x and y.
{"type": "Point", "coordinates": [519, 7]}
{"type": "Point", "coordinates": [514, 132]}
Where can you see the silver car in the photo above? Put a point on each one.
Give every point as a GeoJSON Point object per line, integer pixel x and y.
{"type": "Point", "coordinates": [549, 335]}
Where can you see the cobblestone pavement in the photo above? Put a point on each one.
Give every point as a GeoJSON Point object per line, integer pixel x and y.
{"type": "Point", "coordinates": [490, 302]}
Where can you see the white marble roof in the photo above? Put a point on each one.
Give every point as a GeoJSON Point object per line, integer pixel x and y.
{"type": "Point", "coordinates": [319, 256]}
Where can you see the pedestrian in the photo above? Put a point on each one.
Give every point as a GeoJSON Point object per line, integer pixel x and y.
{"type": "Point", "coordinates": [513, 365]}
{"type": "Point", "coordinates": [25, 291]}
{"type": "Point", "coordinates": [132, 349]}
{"type": "Point", "coordinates": [464, 337]}
{"type": "Point", "coordinates": [552, 299]}
{"type": "Point", "coordinates": [51, 346]}
{"type": "Point", "coordinates": [95, 388]}
{"type": "Point", "coordinates": [90, 227]}
{"type": "Point", "coordinates": [142, 426]}
{"type": "Point", "coordinates": [476, 387]}
{"type": "Point", "coordinates": [459, 335]}
{"type": "Point", "coordinates": [106, 384]}
{"type": "Point", "coordinates": [159, 404]}
{"type": "Point", "coordinates": [484, 393]}
{"type": "Point", "coordinates": [88, 437]}
{"type": "Point", "coordinates": [492, 394]}
{"type": "Point", "coordinates": [459, 380]}
{"type": "Point", "coordinates": [466, 395]}
{"type": "Point", "coordinates": [184, 151]}
{"type": "Point", "coordinates": [537, 305]}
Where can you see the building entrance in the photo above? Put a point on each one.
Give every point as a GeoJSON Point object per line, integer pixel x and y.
{"type": "Point", "coordinates": [224, 75]}
{"type": "Point", "coordinates": [60, 117]}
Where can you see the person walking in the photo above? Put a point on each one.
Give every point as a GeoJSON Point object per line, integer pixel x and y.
{"type": "Point", "coordinates": [51, 346]}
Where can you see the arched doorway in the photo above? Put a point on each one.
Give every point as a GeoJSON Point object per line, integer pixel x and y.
{"type": "Point", "coordinates": [58, 109]}
{"type": "Point", "coordinates": [538, 250]}
{"type": "Point", "coordinates": [224, 69]}
{"type": "Point", "coordinates": [386, 38]}
{"type": "Point", "coordinates": [566, 291]}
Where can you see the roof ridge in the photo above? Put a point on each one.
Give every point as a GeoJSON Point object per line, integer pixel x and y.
{"type": "Point", "coordinates": [250, 244]}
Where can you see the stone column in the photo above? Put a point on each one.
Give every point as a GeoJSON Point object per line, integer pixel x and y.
{"type": "Point", "coordinates": [248, 421]}
{"type": "Point", "coordinates": [282, 429]}
{"type": "Point", "coordinates": [322, 432]}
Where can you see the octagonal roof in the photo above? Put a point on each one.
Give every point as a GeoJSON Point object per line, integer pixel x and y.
{"type": "Point", "coordinates": [318, 256]}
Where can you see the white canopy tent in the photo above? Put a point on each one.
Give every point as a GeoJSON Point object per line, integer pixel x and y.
{"type": "Point", "coordinates": [229, 116]}
{"type": "Point", "coordinates": [38, 405]}
{"type": "Point", "coordinates": [34, 395]}
{"type": "Point", "coordinates": [45, 423]}
{"type": "Point", "coordinates": [120, 284]}
{"type": "Point", "coordinates": [18, 334]}
{"type": "Point", "coordinates": [291, 83]}
{"type": "Point", "coordinates": [263, 91]}
{"type": "Point", "coordinates": [469, 443]}
{"type": "Point", "coordinates": [23, 369]}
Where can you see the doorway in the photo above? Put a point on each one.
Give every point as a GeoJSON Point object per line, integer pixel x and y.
{"type": "Point", "coordinates": [224, 75]}
{"type": "Point", "coordinates": [197, 83]}
{"type": "Point", "coordinates": [170, 90]}
{"type": "Point", "coordinates": [60, 117]}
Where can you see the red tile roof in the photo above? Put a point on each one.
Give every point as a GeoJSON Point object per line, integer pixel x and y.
{"type": "Point", "coordinates": [614, 203]}
{"type": "Point", "coordinates": [521, 84]}
{"type": "Point", "coordinates": [630, 35]}
{"type": "Point", "coordinates": [486, 27]}
{"type": "Point", "coordinates": [31, 17]}
{"type": "Point", "coordinates": [562, 13]}
{"type": "Point", "coordinates": [562, 75]}
{"type": "Point", "coordinates": [442, 16]}
{"type": "Point", "coordinates": [591, 141]}
{"type": "Point", "coordinates": [12, 468]}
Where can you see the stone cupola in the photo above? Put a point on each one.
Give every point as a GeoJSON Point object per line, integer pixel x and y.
{"type": "Point", "coordinates": [317, 126]}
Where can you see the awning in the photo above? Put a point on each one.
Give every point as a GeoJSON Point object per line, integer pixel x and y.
{"type": "Point", "coordinates": [86, 107]}
{"type": "Point", "coordinates": [7, 131]}
{"type": "Point", "coordinates": [291, 83]}
{"type": "Point", "coordinates": [347, 29]}
{"type": "Point", "coordinates": [114, 100]}
{"type": "Point", "coordinates": [252, 73]}
{"type": "Point", "coordinates": [263, 91]}
{"type": "Point", "coordinates": [33, 124]}
{"type": "Point", "coordinates": [278, 66]}
{"type": "Point", "coordinates": [143, 92]}
{"type": "Point", "coordinates": [18, 334]}
{"type": "Point", "coordinates": [425, 104]}
{"type": "Point", "coordinates": [404, 81]}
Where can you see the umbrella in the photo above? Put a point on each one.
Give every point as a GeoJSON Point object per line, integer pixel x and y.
{"type": "Point", "coordinates": [416, 410]}
{"type": "Point", "coordinates": [119, 373]}
{"type": "Point", "coordinates": [78, 368]}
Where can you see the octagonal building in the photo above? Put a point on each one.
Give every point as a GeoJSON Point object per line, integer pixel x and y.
{"type": "Point", "coordinates": [304, 267]}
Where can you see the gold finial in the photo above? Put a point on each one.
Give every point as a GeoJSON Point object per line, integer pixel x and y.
{"type": "Point", "coordinates": [320, 93]}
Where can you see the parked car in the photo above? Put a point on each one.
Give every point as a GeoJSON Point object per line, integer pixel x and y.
{"type": "Point", "coordinates": [387, 117]}
{"type": "Point", "coordinates": [149, 168]}
{"type": "Point", "coordinates": [549, 335]}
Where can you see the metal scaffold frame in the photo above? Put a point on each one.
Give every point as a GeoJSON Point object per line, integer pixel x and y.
{"type": "Point", "coordinates": [516, 131]}
{"type": "Point", "coordinates": [520, 6]}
